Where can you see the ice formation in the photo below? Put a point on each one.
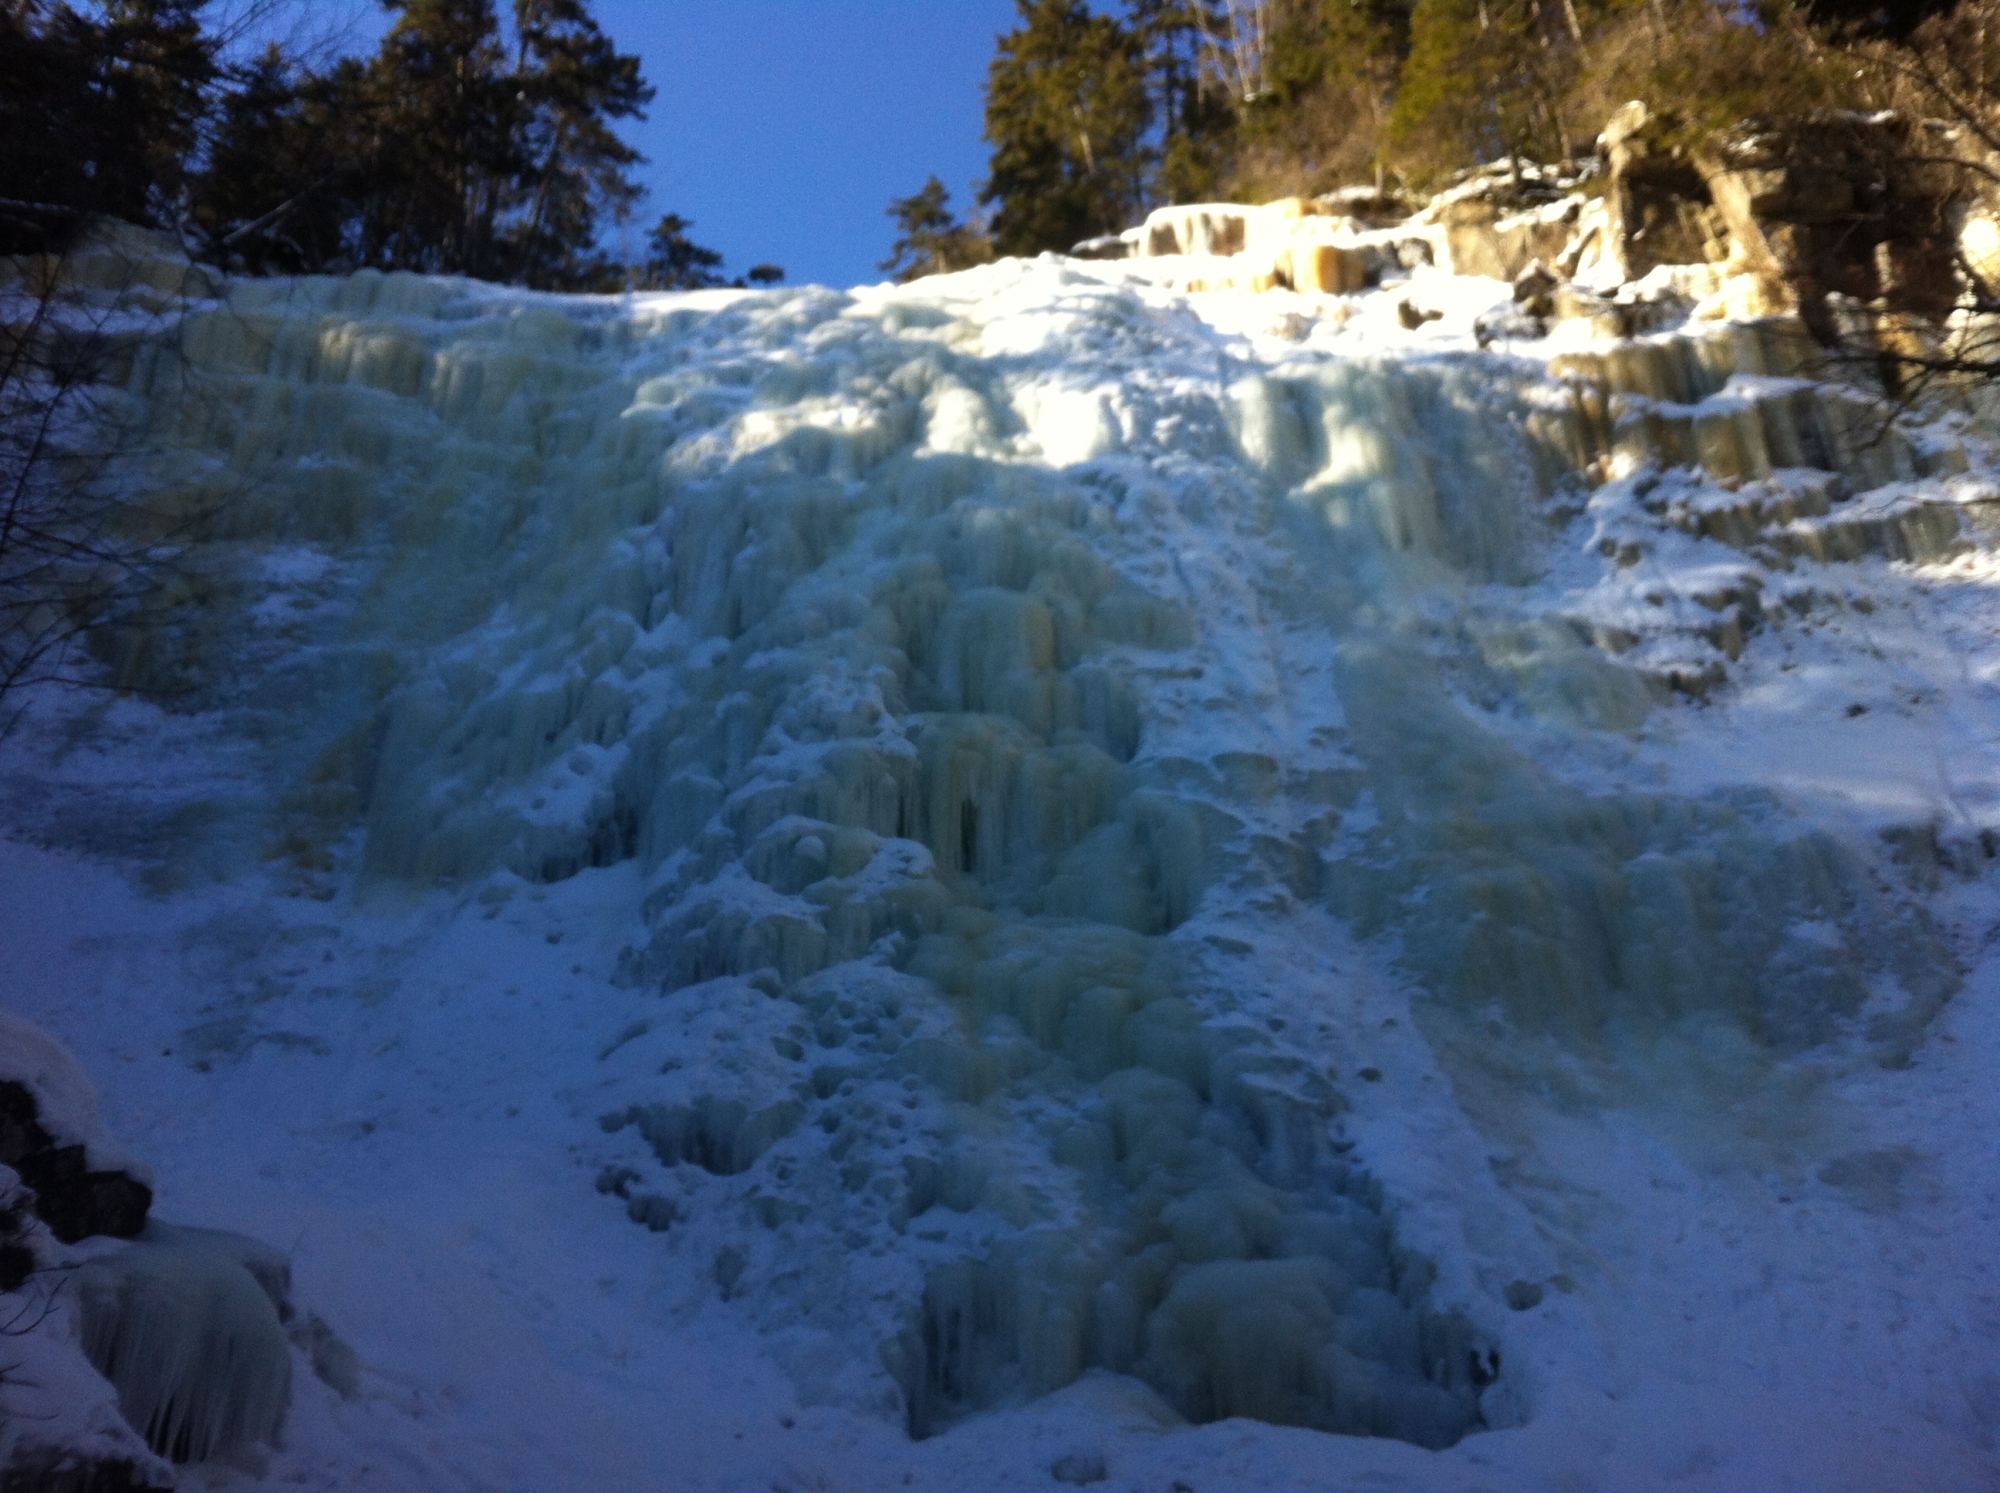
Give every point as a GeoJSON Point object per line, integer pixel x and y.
{"type": "Point", "coordinates": [182, 1325]}
{"type": "Point", "coordinates": [185, 1323]}
{"type": "Point", "coordinates": [969, 671]}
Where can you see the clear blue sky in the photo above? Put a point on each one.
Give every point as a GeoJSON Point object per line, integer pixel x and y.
{"type": "Point", "coordinates": [783, 128]}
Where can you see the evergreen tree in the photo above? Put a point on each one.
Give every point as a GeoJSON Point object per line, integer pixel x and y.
{"type": "Point", "coordinates": [676, 262]}
{"type": "Point", "coordinates": [1197, 117]}
{"type": "Point", "coordinates": [502, 170]}
{"type": "Point", "coordinates": [99, 115]}
{"type": "Point", "coordinates": [573, 83]}
{"type": "Point", "coordinates": [451, 151]}
{"type": "Point", "coordinates": [449, 146]}
{"type": "Point", "coordinates": [1486, 79]}
{"type": "Point", "coordinates": [158, 69]}
{"type": "Point", "coordinates": [933, 241]}
{"type": "Point", "coordinates": [283, 156]}
{"type": "Point", "coordinates": [1066, 113]}
{"type": "Point", "coordinates": [1330, 73]}
{"type": "Point", "coordinates": [1896, 19]}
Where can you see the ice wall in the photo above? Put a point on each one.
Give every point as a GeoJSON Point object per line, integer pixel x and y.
{"type": "Point", "coordinates": [932, 656]}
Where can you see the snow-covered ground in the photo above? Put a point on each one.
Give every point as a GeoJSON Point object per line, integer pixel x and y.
{"type": "Point", "coordinates": [1057, 866]}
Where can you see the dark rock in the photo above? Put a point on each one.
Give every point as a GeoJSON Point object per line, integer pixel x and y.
{"type": "Point", "coordinates": [658, 1214]}
{"type": "Point", "coordinates": [1080, 1469]}
{"type": "Point", "coordinates": [17, 1263]}
{"type": "Point", "coordinates": [1535, 283]}
{"type": "Point", "coordinates": [72, 1200]}
{"type": "Point", "coordinates": [722, 1136]}
{"type": "Point", "coordinates": [334, 1363]}
{"type": "Point", "coordinates": [1413, 316]}
{"type": "Point", "coordinates": [1509, 324]}
{"type": "Point", "coordinates": [1375, 207]}
{"type": "Point", "coordinates": [1111, 246]}
{"type": "Point", "coordinates": [1568, 303]}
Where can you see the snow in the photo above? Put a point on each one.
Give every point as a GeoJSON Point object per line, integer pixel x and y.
{"type": "Point", "coordinates": [929, 886]}
{"type": "Point", "coordinates": [66, 1103]}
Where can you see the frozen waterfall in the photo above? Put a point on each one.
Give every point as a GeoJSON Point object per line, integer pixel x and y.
{"type": "Point", "coordinates": [1048, 734]}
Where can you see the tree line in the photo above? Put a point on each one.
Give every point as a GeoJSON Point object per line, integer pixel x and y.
{"type": "Point", "coordinates": [470, 143]}
{"type": "Point", "coordinates": [1095, 118]}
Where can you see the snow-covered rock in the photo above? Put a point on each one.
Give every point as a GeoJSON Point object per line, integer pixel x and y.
{"type": "Point", "coordinates": [52, 1135]}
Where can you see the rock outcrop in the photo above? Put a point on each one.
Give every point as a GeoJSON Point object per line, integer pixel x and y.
{"type": "Point", "coordinates": [1312, 245]}
{"type": "Point", "coordinates": [1783, 213]}
{"type": "Point", "coordinates": [1792, 211]}
{"type": "Point", "coordinates": [53, 1136]}
{"type": "Point", "coordinates": [1834, 204]}
{"type": "Point", "coordinates": [1658, 207]}
{"type": "Point", "coordinates": [1501, 218]}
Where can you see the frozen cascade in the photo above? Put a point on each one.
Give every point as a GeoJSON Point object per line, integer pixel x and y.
{"type": "Point", "coordinates": [931, 652]}
{"type": "Point", "coordinates": [185, 1323]}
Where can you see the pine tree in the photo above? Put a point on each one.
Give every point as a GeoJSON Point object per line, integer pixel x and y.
{"type": "Point", "coordinates": [1066, 113]}
{"type": "Point", "coordinates": [1886, 18]}
{"type": "Point", "coordinates": [447, 116]}
{"type": "Point", "coordinates": [676, 262]}
{"type": "Point", "coordinates": [269, 197]}
{"type": "Point", "coordinates": [1471, 88]}
{"type": "Point", "coordinates": [573, 83]}
{"type": "Point", "coordinates": [1330, 75]}
{"type": "Point", "coordinates": [159, 68]}
{"type": "Point", "coordinates": [100, 116]}
{"type": "Point", "coordinates": [933, 241]}
{"type": "Point", "coordinates": [1197, 118]}
{"type": "Point", "coordinates": [442, 154]}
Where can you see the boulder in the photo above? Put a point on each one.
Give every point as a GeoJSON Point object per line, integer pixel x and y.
{"type": "Point", "coordinates": [1508, 324]}
{"type": "Point", "coordinates": [175, 1344]}
{"type": "Point", "coordinates": [1107, 246]}
{"type": "Point", "coordinates": [1534, 290]}
{"type": "Point", "coordinates": [41, 1468]}
{"type": "Point", "coordinates": [1369, 206]}
{"type": "Point", "coordinates": [1203, 228]}
{"type": "Point", "coordinates": [1328, 269]}
{"type": "Point", "coordinates": [52, 1134]}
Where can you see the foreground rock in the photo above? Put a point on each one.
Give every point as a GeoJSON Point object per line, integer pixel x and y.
{"type": "Point", "coordinates": [53, 1138]}
{"type": "Point", "coordinates": [172, 1346]}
